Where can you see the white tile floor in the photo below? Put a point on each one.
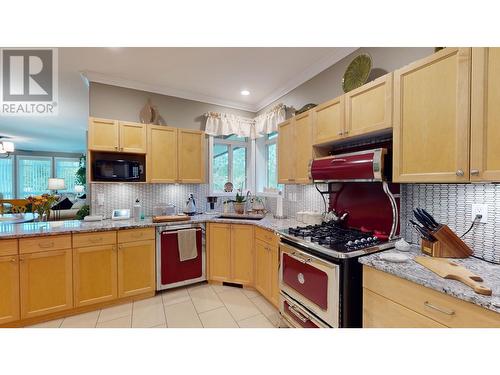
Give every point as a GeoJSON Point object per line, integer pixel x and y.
{"type": "Point", "coordinates": [197, 306]}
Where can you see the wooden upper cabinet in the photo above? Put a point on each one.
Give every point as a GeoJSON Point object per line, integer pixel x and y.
{"type": "Point", "coordinates": [328, 121]}
{"type": "Point", "coordinates": [286, 152]}
{"type": "Point", "coordinates": [219, 252]}
{"type": "Point", "coordinates": [369, 107]}
{"type": "Point", "coordinates": [136, 268]}
{"type": "Point", "coordinates": [432, 118]}
{"type": "Point", "coordinates": [133, 137]}
{"type": "Point", "coordinates": [242, 258]}
{"type": "Point", "coordinates": [46, 281]}
{"type": "Point", "coordinates": [103, 135]}
{"type": "Point", "coordinates": [9, 289]}
{"type": "Point", "coordinates": [485, 115]}
{"type": "Point", "coordinates": [303, 146]}
{"type": "Point", "coordinates": [191, 153]}
{"type": "Point", "coordinates": [95, 274]}
{"type": "Point", "coordinates": [162, 154]}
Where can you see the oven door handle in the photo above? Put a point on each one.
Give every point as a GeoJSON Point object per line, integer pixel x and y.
{"type": "Point", "coordinates": [298, 257]}
{"type": "Point", "coordinates": [296, 312]}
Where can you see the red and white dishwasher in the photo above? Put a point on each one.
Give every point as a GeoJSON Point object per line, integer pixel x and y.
{"type": "Point", "coordinates": [171, 272]}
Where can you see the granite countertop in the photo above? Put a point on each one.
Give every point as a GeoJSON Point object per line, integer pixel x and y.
{"type": "Point", "coordinates": [77, 226]}
{"type": "Point", "coordinates": [412, 271]}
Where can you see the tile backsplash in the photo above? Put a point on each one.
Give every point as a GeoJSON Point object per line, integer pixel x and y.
{"type": "Point", "coordinates": [449, 203]}
{"type": "Point", "coordinates": [296, 197]}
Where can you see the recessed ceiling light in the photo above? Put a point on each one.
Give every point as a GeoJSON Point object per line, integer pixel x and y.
{"type": "Point", "coordinates": [245, 92]}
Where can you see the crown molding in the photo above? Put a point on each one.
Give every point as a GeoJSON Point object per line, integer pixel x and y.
{"type": "Point", "coordinates": [306, 75]}
{"type": "Point", "coordinates": [91, 76]}
{"type": "Point", "coordinates": [314, 69]}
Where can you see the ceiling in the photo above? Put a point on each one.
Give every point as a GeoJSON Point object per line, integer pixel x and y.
{"type": "Point", "coordinates": [212, 75]}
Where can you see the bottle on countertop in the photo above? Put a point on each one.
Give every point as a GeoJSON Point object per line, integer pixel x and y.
{"type": "Point", "coordinates": [138, 215]}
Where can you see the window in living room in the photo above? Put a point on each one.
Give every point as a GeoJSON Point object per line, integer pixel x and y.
{"type": "Point", "coordinates": [6, 177]}
{"type": "Point", "coordinates": [66, 168]}
{"type": "Point", "coordinates": [33, 173]}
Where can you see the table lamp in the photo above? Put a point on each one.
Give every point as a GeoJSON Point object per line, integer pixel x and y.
{"type": "Point", "coordinates": [56, 184]}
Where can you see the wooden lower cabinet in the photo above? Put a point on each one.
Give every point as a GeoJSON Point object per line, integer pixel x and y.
{"type": "Point", "coordinates": [262, 267]}
{"type": "Point", "coordinates": [136, 268]}
{"type": "Point", "coordinates": [380, 312]}
{"type": "Point", "coordinates": [275, 268]}
{"type": "Point", "coordinates": [242, 258]}
{"type": "Point", "coordinates": [266, 271]}
{"type": "Point", "coordinates": [230, 253]}
{"type": "Point", "coordinates": [9, 288]}
{"type": "Point", "coordinates": [219, 252]}
{"type": "Point", "coordinates": [95, 274]}
{"type": "Point", "coordinates": [390, 301]}
{"type": "Point", "coordinates": [45, 282]}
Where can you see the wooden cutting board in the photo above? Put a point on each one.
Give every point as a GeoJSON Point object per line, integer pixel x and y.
{"type": "Point", "coordinates": [170, 218]}
{"type": "Point", "coordinates": [450, 270]}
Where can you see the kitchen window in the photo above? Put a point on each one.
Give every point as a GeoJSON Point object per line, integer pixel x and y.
{"type": "Point", "coordinates": [230, 161]}
{"type": "Point", "coordinates": [272, 161]}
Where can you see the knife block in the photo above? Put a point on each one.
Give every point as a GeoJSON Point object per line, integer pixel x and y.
{"type": "Point", "coordinates": [447, 245]}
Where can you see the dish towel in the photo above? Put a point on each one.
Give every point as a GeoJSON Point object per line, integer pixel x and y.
{"type": "Point", "coordinates": [186, 244]}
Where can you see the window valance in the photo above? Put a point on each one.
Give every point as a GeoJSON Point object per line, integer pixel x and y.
{"type": "Point", "coordinates": [226, 124]}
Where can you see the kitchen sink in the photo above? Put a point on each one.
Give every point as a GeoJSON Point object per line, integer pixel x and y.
{"type": "Point", "coordinates": [242, 216]}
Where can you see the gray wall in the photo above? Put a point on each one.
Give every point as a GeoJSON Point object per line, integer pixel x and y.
{"type": "Point", "coordinates": [121, 103]}
{"type": "Point", "coordinates": [328, 84]}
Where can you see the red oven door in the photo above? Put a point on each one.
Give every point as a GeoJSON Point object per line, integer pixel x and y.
{"type": "Point", "coordinates": [312, 282]}
{"type": "Point", "coordinates": [172, 269]}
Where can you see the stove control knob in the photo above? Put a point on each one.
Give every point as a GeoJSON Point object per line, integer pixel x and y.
{"type": "Point", "coordinates": [375, 239]}
{"type": "Point", "coordinates": [356, 242]}
{"type": "Point", "coordinates": [349, 243]}
{"type": "Point", "coordinates": [363, 240]}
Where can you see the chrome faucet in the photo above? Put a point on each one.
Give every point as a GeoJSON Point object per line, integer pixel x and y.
{"type": "Point", "coordinates": [247, 201]}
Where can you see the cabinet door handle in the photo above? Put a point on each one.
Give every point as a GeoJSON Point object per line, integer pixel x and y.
{"type": "Point", "coordinates": [13, 260]}
{"type": "Point", "coordinates": [46, 245]}
{"type": "Point", "coordinates": [340, 133]}
{"type": "Point", "coordinates": [440, 309]}
{"type": "Point", "coordinates": [346, 132]}
{"type": "Point", "coordinates": [95, 240]}
{"type": "Point", "coordinates": [460, 173]}
{"type": "Point", "coordinates": [474, 172]}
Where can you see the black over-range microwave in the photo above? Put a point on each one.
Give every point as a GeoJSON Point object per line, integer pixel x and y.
{"type": "Point", "coordinates": [120, 168]}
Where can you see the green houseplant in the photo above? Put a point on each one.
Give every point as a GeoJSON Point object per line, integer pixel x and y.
{"type": "Point", "coordinates": [239, 203]}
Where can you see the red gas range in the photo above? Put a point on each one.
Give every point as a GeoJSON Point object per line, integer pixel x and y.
{"type": "Point", "coordinates": [320, 276]}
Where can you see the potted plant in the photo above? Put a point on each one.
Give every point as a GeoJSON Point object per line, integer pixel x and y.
{"type": "Point", "coordinates": [239, 203]}
{"type": "Point", "coordinates": [41, 205]}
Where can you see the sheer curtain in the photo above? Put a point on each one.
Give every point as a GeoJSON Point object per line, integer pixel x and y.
{"type": "Point", "coordinates": [227, 124]}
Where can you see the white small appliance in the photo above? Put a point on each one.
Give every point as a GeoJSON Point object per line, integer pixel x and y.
{"type": "Point", "coordinates": [121, 214]}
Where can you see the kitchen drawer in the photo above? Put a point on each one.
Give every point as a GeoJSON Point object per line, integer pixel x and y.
{"type": "Point", "coordinates": [8, 247]}
{"type": "Point", "coordinates": [45, 243]}
{"type": "Point", "coordinates": [380, 312]}
{"type": "Point", "coordinates": [130, 235]}
{"type": "Point", "coordinates": [267, 236]}
{"type": "Point", "coordinates": [94, 239]}
{"type": "Point", "coordinates": [440, 307]}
